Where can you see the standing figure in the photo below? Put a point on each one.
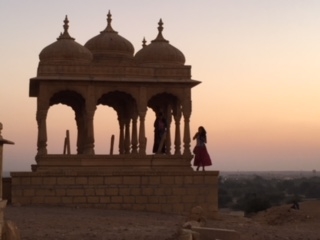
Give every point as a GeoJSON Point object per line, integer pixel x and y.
{"type": "Point", "coordinates": [201, 157]}
{"type": "Point", "coordinates": [160, 128]}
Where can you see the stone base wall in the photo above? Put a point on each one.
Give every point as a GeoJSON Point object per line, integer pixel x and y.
{"type": "Point", "coordinates": [153, 191]}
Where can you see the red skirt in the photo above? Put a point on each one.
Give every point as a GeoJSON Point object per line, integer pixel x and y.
{"type": "Point", "coordinates": [201, 156]}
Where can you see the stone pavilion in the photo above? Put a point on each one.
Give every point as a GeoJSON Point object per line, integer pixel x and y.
{"type": "Point", "coordinates": [107, 71]}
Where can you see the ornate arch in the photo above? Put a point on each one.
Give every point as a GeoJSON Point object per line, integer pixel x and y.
{"type": "Point", "coordinates": [169, 105]}
{"type": "Point", "coordinates": [126, 107]}
{"type": "Point", "coordinates": [69, 98]}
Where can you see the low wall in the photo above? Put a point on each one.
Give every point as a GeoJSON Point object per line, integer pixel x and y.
{"type": "Point", "coordinates": [161, 192]}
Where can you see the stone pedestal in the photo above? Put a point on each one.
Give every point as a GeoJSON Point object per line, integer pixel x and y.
{"type": "Point", "coordinates": [3, 204]}
{"type": "Point", "coordinates": [2, 142]}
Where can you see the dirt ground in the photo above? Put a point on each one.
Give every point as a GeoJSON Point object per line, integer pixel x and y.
{"type": "Point", "coordinates": [58, 223]}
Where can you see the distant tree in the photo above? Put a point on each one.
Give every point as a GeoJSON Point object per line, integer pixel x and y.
{"type": "Point", "coordinates": [257, 193]}
{"type": "Point", "coordinates": [295, 198]}
{"type": "Point", "coordinates": [312, 188]}
{"type": "Point", "coordinates": [276, 197]}
{"type": "Point", "coordinates": [256, 204]}
{"type": "Point", "coordinates": [224, 198]}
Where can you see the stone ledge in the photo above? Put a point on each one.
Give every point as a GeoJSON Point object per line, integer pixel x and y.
{"type": "Point", "coordinates": [73, 173]}
{"type": "Point", "coordinates": [216, 233]}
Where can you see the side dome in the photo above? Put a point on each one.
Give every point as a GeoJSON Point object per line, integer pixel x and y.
{"type": "Point", "coordinates": [65, 50]}
{"type": "Point", "coordinates": [109, 47]}
{"type": "Point", "coordinates": [159, 51]}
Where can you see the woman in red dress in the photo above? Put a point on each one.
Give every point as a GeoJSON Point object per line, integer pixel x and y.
{"type": "Point", "coordinates": [201, 157]}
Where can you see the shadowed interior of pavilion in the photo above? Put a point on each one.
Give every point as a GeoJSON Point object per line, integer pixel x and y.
{"type": "Point", "coordinates": [125, 155]}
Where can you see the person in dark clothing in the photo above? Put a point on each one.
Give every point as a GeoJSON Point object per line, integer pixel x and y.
{"type": "Point", "coordinates": [295, 205]}
{"type": "Point", "coordinates": [201, 155]}
{"type": "Point", "coordinates": [160, 128]}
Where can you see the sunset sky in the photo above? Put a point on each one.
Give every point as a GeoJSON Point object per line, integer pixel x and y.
{"type": "Point", "coordinates": [258, 61]}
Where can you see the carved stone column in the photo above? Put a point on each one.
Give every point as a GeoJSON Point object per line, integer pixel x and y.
{"type": "Point", "coordinates": [177, 139]}
{"type": "Point", "coordinates": [186, 110]}
{"type": "Point", "coordinates": [89, 145]}
{"type": "Point", "coordinates": [81, 132]}
{"type": "Point", "coordinates": [121, 135]}
{"type": "Point", "coordinates": [134, 134]}
{"type": "Point", "coordinates": [142, 134]}
{"type": "Point", "coordinates": [42, 131]}
{"type": "Point", "coordinates": [127, 136]}
{"type": "Point", "coordinates": [168, 136]}
{"type": "Point", "coordinates": [142, 110]}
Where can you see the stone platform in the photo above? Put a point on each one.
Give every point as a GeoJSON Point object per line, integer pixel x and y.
{"type": "Point", "coordinates": [107, 163]}
{"type": "Point", "coordinates": [164, 192]}
{"type": "Point", "coordinates": [155, 183]}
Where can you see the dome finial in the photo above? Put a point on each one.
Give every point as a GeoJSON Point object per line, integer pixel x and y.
{"type": "Point", "coordinates": [66, 24]}
{"type": "Point", "coordinates": [144, 42]}
{"type": "Point", "coordinates": [160, 28]}
{"type": "Point", "coordinates": [109, 20]}
{"type": "Point", "coordinates": [160, 38]}
{"type": "Point", "coordinates": [65, 34]}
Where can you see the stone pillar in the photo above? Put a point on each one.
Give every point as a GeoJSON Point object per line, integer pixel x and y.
{"type": "Point", "coordinates": [168, 136]}
{"type": "Point", "coordinates": [3, 203]}
{"type": "Point", "coordinates": [186, 110]}
{"type": "Point", "coordinates": [142, 110]}
{"type": "Point", "coordinates": [177, 139]}
{"type": "Point", "coordinates": [127, 136]}
{"type": "Point", "coordinates": [80, 132]}
{"type": "Point", "coordinates": [142, 134]}
{"type": "Point", "coordinates": [134, 134]}
{"type": "Point", "coordinates": [89, 141]}
{"type": "Point", "coordinates": [42, 131]}
{"type": "Point", "coordinates": [121, 136]}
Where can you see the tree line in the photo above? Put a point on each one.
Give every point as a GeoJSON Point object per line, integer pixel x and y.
{"type": "Point", "coordinates": [256, 194]}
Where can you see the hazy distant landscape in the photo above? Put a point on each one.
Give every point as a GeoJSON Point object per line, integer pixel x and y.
{"type": "Point", "coordinates": [270, 174]}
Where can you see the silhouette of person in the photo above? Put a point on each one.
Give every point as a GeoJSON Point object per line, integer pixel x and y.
{"type": "Point", "coordinates": [160, 128]}
{"type": "Point", "coordinates": [201, 157]}
{"type": "Point", "coordinates": [295, 205]}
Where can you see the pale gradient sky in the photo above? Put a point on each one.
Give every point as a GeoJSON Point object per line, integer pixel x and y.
{"type": "Point", "coordinates": [258, 62]}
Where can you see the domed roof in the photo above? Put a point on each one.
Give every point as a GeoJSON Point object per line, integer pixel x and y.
{"type": "Point", "coordinates": [159, 51]}
{"type": "Point", "coordinates": [109, 45]}
{"type": "Point", "coordinates": [65, 50]}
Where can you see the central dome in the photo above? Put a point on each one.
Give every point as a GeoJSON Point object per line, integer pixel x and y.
{"type": "Point", "coordinates": [109, 47]}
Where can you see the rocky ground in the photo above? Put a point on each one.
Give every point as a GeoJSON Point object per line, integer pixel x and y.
{"type": "Point", "coordinates": [57, 223]}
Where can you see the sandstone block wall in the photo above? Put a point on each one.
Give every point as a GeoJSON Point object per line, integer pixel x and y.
{"type": "Point", "coordinates": [154, 192]}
